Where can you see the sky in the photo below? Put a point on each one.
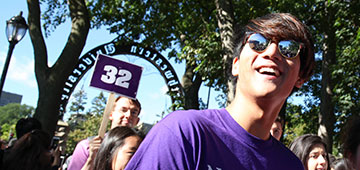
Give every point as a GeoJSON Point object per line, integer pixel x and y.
{"type": "Point", "coordinates": [20, 78]}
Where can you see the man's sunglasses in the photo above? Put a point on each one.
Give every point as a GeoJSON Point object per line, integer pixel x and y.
{"type": "Point", "coordinates": [288, 48]}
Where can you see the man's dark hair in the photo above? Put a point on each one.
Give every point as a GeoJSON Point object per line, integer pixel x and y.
{"type": "Point", "coordinates": [25, 125]}
{"type": "Point", "coordinates": [281, 26]}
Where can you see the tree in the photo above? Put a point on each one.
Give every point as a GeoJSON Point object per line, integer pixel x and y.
{"type": "Point", "coordinates": [83, 126]}
{"type": "Point", "coordinates": [334, 86]}
{"type": "Point", "coordinates": [51, 80]}
{"type": "Point", "coordinates": [10, 114]}
{"type": "Point", "coordinates": [98, 104]}
{"type": "Point", "coordinates": [189, 28]}
{"type": "Point", "coordinates": [199, 34]}
{"type": "Point", "coordinates": [87, 127]}
{"type": "Point", "coordinates": [78, 102]}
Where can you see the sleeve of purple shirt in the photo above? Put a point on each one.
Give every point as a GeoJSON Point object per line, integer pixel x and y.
{"type": "Point", "coordinates": [80, 155]}
{"type": "Point", "coordinates": [162, 149]}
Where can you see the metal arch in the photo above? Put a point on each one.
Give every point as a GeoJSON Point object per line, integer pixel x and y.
{"type": "Point", "coordinates": [116, 48]}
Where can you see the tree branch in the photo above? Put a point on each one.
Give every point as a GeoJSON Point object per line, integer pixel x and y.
{"type": "Point", "coordinates": [80, 25]}
{"type": "Point", "coordinates": [37, 39]}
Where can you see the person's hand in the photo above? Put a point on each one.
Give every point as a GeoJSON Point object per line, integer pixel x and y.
{"type": "Point", "coordinates": [56, 155]}
{"type": "Point", "coordinates": [94, 146]}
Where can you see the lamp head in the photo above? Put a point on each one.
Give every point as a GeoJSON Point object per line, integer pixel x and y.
{"type": "Point", "coordinates": [16, 28]}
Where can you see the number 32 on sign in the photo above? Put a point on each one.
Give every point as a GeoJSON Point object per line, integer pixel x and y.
{"type": "Point", "coordinates": [116, 76]}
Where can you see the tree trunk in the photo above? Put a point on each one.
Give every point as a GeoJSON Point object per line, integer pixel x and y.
{"type": "Point", "coordinates": [225, 19]}
{"type": "Point", "coordinates": [327, 115]}
{"type": "Point", "coordinates": [191, 82]}
{"type": "Point", "coordinates": [52, 79]}
{"type": "Point", "coordinates": [47, 111]}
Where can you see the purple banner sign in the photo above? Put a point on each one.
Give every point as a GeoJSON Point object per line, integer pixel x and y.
{"type": "Point", "coordinates": [116, 76]}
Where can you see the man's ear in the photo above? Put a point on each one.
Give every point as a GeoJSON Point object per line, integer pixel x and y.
{"type": "Point", "coordinates": [235, 66]}
{"type": "Point", "coordinates": [299, 83]}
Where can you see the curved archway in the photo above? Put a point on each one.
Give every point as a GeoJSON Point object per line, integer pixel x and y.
{"type": "Point", "coordinates": [117, 48]}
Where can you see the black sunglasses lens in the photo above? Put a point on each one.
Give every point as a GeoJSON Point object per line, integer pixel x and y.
{"type": "Point", "coordinates": [289, 49]}
{"type": "Point", "coordinates": [257, 42]}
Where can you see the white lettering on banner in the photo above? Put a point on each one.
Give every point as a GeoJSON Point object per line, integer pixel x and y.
{"type": "Point", "coordinates": [87, 61]}
{"type": "Point", "coordinates": [99, 52]}
{"type": "Point", "coordinates": [92, 56]}
{"type": "Point", "coordinates": [111, 76]}
{"type": "Point", "coordinates": [169, 74]}
{"type": "Point", "coordinates": [110, 48]}
{"type": "Point", "coordinates": [66, 90]}
{"type": "Point", "coordinates": [147, 54]}
{"type": "Point", "coordinates": [133, 49]}
{"type": "Point", "coordinates": [68, 84]}
{"type": "Point", "coordinates": [175, 89]}
{"type": "Point", "coordinates": [158, 61]}
{"type": "Point", "coordinates": [125, 76]}
{"type": "Point", "coordinates": [63, 97]}
{"type": "Point", "coordinates": [173, 83]}
{"type": "Point", "coordinates": [164, 67]}
{"type": "Point", "coordinates": [72, 78]}
{"type": "Point", "coordinates": [76, 71]}
{"type": "Point", "coordinates": [82, 66]}
{"type": "Point", "coordinates": [141, 50]}
{"type": "Point", "coordinates": [121, 76]}
{"type": "Point", "coordinates": [161, 65]}
{"type": "Point", "coordinates": [154, 56]}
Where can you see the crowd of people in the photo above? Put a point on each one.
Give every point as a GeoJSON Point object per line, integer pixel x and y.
{"type": "Point", "coordinates": [273, 57]}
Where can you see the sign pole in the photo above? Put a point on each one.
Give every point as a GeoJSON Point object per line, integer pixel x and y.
{"type": "Point", "coordinates": [105, 120]}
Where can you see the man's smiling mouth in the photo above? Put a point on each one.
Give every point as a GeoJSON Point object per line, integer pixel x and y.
{"type": "Point", "coordinates": [269, 71]}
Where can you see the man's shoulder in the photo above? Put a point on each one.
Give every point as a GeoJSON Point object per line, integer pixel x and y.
{"type": "Point", "coordinates": [185, 117]}
{"type": "Point", "coordinates": [193, 114]}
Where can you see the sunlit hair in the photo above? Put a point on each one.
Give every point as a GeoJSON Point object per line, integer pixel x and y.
{"type": "Point", "coordinates": [303, 145]}
{"type": "Point", "coordinates": [113, 140]}
{"type": "Point", "coordinates": [282, 26]}
{"type": "Point", "coordinates": [133, 101]}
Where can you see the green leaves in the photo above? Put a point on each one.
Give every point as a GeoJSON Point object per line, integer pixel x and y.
{"type": "Point", "coordinates": [10, 114]}
{"type": "Point", "coordinates": [78, 102]}
{"type": "Point", "coordinates": [55, 13]}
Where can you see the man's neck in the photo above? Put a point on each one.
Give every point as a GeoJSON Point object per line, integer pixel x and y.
{"type": "Point", "coordinates": [255, 116]}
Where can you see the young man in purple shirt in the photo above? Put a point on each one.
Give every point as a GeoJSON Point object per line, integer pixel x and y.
{"type": "Point", "coordinates": [273, 56]}
{"type": "Point", "coordinates": [124, 113]}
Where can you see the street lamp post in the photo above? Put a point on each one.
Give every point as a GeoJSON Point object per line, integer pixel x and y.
{"type": "Point", "coordinates": [15, 30]}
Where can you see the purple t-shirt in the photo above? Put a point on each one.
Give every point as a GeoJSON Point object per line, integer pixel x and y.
{"type": "Point", "coordinates": [80, 155]}
{"type": "Point", "coordinates": [210, 140]}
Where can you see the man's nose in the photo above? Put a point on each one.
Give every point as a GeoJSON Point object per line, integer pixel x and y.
{"type": "Point", "coordinates": [127, 113]}
{"type": "Point", "coordinates": [272, 51]}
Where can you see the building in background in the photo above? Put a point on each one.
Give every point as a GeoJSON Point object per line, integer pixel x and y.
{"type": "Point", "coordinates": [7, 97]}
